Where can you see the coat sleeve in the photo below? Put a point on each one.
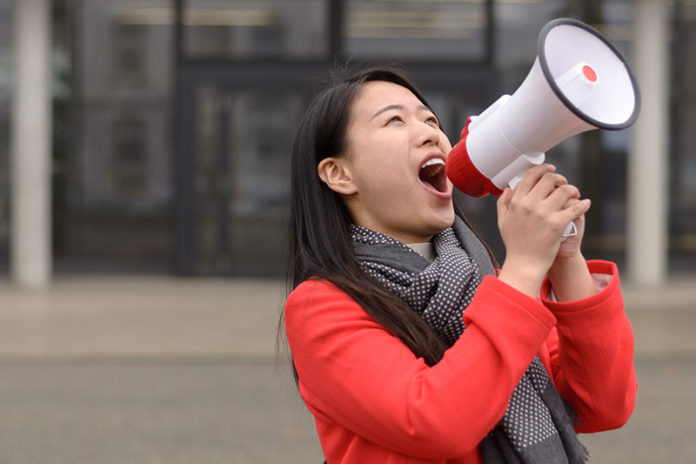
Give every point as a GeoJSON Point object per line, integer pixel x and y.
{"type": "Point", "coordinates": [355, 373]}
{"type": "Point", "coordinates": [591, 354]}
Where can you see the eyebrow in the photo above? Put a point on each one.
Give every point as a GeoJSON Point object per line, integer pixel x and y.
{"type": "Point", "coordinates": [396, 107]}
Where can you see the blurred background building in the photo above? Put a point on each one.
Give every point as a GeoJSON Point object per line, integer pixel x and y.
{"type": "Point", "coordinates": [172, 120]}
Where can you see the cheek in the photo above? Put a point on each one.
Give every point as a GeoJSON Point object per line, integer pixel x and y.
{"type": "Point", "coordinates": [381, 165]}
{"type": "Point", "coordinates": [445, 143]}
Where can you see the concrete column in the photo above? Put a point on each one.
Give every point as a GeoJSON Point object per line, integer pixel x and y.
{"type": "Point", "coordinates": [648, 161]}
{"type": "Point", "coordinates": [30, 237]}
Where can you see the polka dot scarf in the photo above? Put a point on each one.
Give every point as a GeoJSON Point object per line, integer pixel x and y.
{"type": "Point", "coordinates": [537, 426]}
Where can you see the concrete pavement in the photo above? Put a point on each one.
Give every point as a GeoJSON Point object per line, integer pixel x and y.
{"type": "Point", "coordinates": [158, 369]}
{"type": "Point", "coordinates": [153, 316]}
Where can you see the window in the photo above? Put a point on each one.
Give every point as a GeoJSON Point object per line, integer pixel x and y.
{"type": "Point", "coordinates": [128, 157]}
{"type": "Point", "coordinates": [129, 60]}
{"type": "Point", "coordinates": [255, 29]}
{"type": "Point", "coordinates": [423, 30]}
{"type": "Point", "coordinates": [115, 185]}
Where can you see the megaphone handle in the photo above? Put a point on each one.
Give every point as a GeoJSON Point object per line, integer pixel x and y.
{"type": "Point", "coordinates": [570, 231]}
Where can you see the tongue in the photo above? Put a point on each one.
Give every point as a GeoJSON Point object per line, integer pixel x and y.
{"type": "Point", "coordinates": [430, 171]}
{"type": "Point", "coordinates": [430, 175]}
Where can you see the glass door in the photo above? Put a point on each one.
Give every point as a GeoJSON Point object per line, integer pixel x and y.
{"type": "Point", "coordinates": [240, 177]}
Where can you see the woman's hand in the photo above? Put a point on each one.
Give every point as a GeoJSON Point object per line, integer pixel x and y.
{"type": "Point", "coordinates": [570, 247]}
{"type": "Point", "coordinates": [569, 276]}
{"type": "Point", "coordinates": [531, 219]}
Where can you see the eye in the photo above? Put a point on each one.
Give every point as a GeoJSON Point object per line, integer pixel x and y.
{"type": "Point", "coordinates": [394, 119]}
{"type": "Point", "coordinates": [432, 120]}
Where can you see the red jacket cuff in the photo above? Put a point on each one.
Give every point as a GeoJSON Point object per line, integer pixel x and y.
{"type": "Point", "coordinates": [613, 287]}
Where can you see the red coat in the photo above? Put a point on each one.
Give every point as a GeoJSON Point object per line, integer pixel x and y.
{"type": "Point", "coordinates": [374, 401]}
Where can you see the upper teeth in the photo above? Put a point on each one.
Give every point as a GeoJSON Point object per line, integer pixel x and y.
{"type": "Point", "coordinates": [432, 161]}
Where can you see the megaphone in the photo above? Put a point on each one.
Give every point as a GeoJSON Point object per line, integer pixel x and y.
{"type": "Point", "coordinates": [579, 81]}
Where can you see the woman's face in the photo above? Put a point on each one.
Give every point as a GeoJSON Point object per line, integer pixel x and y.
{"type": "Point", "coordinates": [395, 158]}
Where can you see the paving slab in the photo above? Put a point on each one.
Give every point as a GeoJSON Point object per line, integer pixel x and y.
{"type": "Point", "coordinates": [165, 316]}
{"type": "Point", "coordinates": [150, 369]}
{"type": "Point", "coordinates": [248, 412]}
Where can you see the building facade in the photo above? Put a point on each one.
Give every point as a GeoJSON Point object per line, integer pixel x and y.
{"type": "Point", "coordinates": [173, 119]}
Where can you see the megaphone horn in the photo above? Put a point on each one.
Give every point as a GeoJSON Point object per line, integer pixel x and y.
{"type": "Point", "coordinates": [578, 82]}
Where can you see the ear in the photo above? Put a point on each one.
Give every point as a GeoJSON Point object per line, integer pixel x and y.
{"type": "Point", "coordinates": [335, 173]}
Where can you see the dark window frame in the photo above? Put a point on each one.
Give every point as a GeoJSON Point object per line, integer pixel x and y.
{"type": "Point", "coordinates": [288, 75]}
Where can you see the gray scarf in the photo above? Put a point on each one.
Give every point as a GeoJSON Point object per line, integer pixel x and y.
{"type": "Point", "coordinates": [537, 426]}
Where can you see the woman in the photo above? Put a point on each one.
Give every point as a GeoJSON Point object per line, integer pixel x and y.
{"type": "Point", "coordinates": [408, 344]}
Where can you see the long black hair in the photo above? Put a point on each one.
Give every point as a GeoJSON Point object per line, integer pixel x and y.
{"type": "Point", "coordinates": [320, 242]}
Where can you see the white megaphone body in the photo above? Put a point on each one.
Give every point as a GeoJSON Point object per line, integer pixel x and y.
{"type": "Point", "coordinates": [578, 82]}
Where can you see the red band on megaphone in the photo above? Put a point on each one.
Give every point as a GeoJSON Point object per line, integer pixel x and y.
{"type": "Point", "coordinates": [462, 172]}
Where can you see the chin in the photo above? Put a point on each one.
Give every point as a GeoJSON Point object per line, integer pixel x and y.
{"type": "Point", "coordinates": [446, 217]}
{"type": "Point", "coordinates": [441, 222]}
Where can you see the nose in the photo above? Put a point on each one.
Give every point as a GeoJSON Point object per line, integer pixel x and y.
{"type": "Point", "coordinates": [429, 134]}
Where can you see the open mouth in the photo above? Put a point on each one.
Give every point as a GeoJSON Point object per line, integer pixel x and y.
{"type": "Point", "coordinates": [432, 173]}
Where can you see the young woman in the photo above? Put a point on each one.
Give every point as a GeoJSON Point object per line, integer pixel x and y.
{"type": "Point", "coordinates": [409, 345]}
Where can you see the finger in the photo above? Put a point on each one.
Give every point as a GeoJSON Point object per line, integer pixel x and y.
{"type": "Point", "coordinates": [575, 211]}
{"type": "Point", "coordinates": [562, 197]}
{"type": "Point", "coordinates": [546, 186]}
{"type": "Point", "coordinates": [571, 202]}
{"type": "Point", "coordinates": [503, 203]}
{"type": "Point", "coordinates": [581, 208]}
{"type": "Point", "coordinates": [531, 177]}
